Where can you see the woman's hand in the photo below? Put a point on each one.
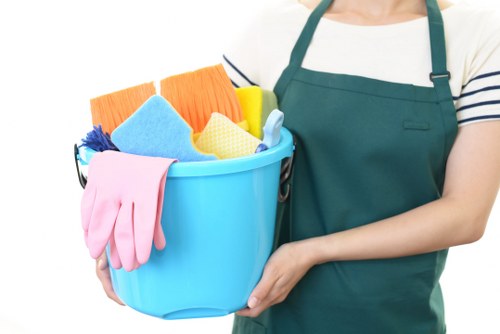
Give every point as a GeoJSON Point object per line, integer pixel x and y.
{"type": "Point", "coordinates": [287, 265]}
{"type": "Point", "coordinates": [102, 271]}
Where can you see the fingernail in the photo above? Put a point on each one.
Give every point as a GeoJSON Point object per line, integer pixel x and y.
{"type": "Point", "coordinates": [252, 302]}
{"type": "Point", "coordinates": [100, 264]}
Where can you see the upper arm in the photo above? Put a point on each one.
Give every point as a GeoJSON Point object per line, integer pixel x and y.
{"type": "Point", "coordinates": [473, 170]}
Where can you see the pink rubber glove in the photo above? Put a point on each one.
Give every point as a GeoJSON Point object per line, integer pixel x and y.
{"type": "Point", "coordinates": [122, 204]}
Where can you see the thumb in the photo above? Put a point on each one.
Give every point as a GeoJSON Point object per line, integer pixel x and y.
{"type": "Point", "coordinates": [262, 289]}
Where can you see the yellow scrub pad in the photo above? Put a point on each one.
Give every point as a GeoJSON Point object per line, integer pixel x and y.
{"type": "Point", "coordinates": [225, 139]}
{"type": "Point", "coordinates": [256, 104]}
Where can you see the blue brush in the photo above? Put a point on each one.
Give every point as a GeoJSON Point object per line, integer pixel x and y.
{"type": "Point", "coordinates": [98, 140]}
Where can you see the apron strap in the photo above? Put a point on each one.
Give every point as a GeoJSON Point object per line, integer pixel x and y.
{"type": "Point", "coordinates": [438, 45]}
{"type": "Point", "coordinates": [439, 75]}
{"type": "Point", "coordinates": [301, 46]}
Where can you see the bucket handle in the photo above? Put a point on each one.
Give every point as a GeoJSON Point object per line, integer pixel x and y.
{"type": "Point", "coordinates": [81, 178]}
{"type": "Point", "coordinates": [285, 174]}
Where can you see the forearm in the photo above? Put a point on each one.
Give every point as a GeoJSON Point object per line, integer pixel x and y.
{"type": "Point", "coordinates": [437, 225]}
{"type": "Point", "coordinates": [459, 217]}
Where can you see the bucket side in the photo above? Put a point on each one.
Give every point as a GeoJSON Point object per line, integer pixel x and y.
{"type": "Point", "coordinates": [219, 231]}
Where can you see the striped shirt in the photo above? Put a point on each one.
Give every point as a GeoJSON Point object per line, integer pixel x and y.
{"type": "Point", "coordinates": [397, 53]}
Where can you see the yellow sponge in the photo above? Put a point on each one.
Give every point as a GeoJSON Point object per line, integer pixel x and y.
{"type": "Point", "coordinates": [225, 139]}
{"type": "Point", "coordinates": [256, 104]}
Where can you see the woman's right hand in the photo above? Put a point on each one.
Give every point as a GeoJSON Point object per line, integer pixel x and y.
{"type": "Point", "coordinates": [102, 271]}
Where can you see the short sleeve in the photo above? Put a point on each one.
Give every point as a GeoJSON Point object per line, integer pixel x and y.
{"type": "Point", "coordinates": [479, 99]}
{"type": "Point", "coordinates": [241, 55]}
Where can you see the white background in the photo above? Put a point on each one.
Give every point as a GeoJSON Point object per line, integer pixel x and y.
{"type": "Point", "coordinates": [55, 56]}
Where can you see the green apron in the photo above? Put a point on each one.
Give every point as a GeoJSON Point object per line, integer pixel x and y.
{"type": "Point", "coordinates": [365, 150]}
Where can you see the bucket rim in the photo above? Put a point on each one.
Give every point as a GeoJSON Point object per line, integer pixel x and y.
{"type": "Point", "coordinates": [275, 154]}
{"type": "Point", "coordinates": [283, 150]}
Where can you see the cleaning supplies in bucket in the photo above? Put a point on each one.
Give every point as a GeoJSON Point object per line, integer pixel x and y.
{"type": "Point", "coordinates": [218, 220]}
{"type": "Point", "coordinates": [217, 208]}
{"type": "Point", "coordinates": [272, 128]}
{"type": "Point", "coordinates": [112, 109]}
{"type": "Point", "coordinates": [257, 104]}
{"type": "Point", "coordinates": [156, 129]}
{"type": "Point", "coordinates": [98, 140]}
{"type": "Point", "coordinates": [226, 139]}
{"type": "Point", "coordinates": [197, 94]}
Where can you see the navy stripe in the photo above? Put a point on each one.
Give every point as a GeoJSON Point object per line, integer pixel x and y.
{"type": "Point", "coordinates": [479, 118]}
{"type": "Point", "coordinates": [239, 72]}
{"type": "Point", "coordinates": [482, 76]}
{"type": "Point", "coordinates": [485, 103]}
{"type": "Point", "coordinates": [234, 84]}
{"type": "Point", "coordinates": [479, 91]}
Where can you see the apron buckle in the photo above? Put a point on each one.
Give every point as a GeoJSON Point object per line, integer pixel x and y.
{"type": "Point", "coordinates": [433, 76]}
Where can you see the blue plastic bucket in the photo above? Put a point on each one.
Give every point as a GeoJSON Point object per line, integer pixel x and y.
{"type": "Point", "coordinates": [219, 220]}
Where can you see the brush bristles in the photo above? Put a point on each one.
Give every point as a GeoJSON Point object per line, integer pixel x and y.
{"type": "Point", "coordinates": [196, 95]}
{"type": "Point", "coordinates": [112, 109]}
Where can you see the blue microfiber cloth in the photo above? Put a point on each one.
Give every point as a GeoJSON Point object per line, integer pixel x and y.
{"type": "Point", "coordinates": [98, 140]}
{"type": "Point", "coordinates": [156, 129]}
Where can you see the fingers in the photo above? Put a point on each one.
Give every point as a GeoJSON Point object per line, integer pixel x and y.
{"type": "Point", "coordinates": [144, 226]}
{"type": "Point", "coordinates": [130, 228]}
{"type": "Point", "coordinates": [159, 236]}
{"type": "Point", "coordinates": [124, 236]}
{"type": "Point", "coordinates": [265, 294]}
{"type": "Point", "coordinates": [284, 269]}
{"type": "Point", "coordinates": [102, 271]}
{"type": "Point", "coordinates": [101, 224]}
{"type": "Point", "coordinates": [114, 257]}
{"type": "Point", "coordinates": [87, 205]}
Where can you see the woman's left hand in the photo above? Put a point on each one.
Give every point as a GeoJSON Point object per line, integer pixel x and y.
{"type": "Point", "coordinates": [286, 266]}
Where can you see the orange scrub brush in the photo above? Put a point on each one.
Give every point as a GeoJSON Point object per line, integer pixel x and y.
{"type": "Point", "coordinates": [112, 109]}
{"type": "Point", "coordinates": [196, 95]}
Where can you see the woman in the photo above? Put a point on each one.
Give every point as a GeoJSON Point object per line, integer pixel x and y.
{"type": "Point", "coordinates": [397, 158]}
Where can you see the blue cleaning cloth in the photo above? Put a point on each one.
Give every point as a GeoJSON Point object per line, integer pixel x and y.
{"type": "Point", "coordinates": [157, 130]}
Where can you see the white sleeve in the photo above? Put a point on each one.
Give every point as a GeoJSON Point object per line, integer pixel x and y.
{"type": "Point", "coordinates": [479, 99]}
{"type": "Point", "coordinates": [241, 56]}
{"type": "Point", "coordinates": [260, 51]}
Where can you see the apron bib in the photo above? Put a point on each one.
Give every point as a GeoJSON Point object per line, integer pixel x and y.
{"type": "Point", "coordinates": [365, 150]}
